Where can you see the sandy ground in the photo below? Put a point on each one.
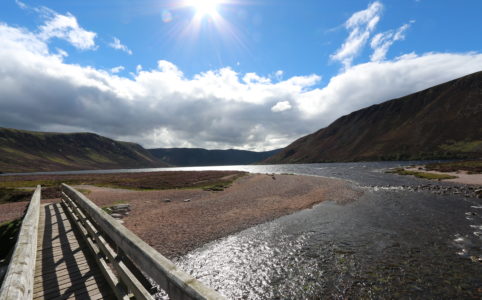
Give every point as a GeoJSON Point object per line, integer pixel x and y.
{"type": "Point", "coordinates": [462, 176]}
{"type": "Point", "coordinates": [15, 210]}
{"type": "Point", "coordinates": [195, 217]}
{"type": "Point", "coordinates": [12, 211]}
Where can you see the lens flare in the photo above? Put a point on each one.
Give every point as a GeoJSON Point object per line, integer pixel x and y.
{"type": "Point", "coordinates": [166, 16]}
{"type": "Point", "coordinates": [205, 7]}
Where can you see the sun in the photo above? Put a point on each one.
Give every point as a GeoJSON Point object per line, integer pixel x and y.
{"type": "Point", "coordinates": [205, 7]}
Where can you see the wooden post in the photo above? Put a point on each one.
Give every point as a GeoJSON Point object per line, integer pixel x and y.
{"type": "Point", "coordinates": [18, 282]}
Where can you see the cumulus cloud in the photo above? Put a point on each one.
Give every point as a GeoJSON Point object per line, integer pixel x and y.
{"type": "Point", "coordinates": [63, 27]}
{"type": "Point", "coordinates": [381, 42]}
{"type": "Point", "coordinates": [281, 106]}
{"type": "Point", "coordinates": [360, 25]}
{"type": "Point", "coordinates": [116, 44]}
{"type": "Point", "coordinates": [162, 107]}
{"type": "Point", "coordinates": [66, 27]}
{"type": "Point", "coordinates": [374, 82]}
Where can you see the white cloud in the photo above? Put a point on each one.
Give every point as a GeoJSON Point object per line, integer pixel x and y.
{"type": "Point", "coordinates": [381, 42]}
{"type": "Point", "coordinates": [374, 82]}
{"type": "Point", "coordinates": [116, 44]}
{"type": "Point", "coordinates": [63, 27]}
{"type": "Point", "coordinates": [117, 69]}
{"type": "Point", "coordinates": [221, 108]}
{"type": "Point", "coordinates": [361, 24]}
{"type": "Point", "coordinates": [281, 106]}
{"type": "Point", "coordinates": [21, 4]}
{"type": "Point", "coordinates": [66, 27]}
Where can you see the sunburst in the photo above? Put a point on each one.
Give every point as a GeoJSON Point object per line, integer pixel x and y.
{"type": "Point", "coordinates": [205, 8]}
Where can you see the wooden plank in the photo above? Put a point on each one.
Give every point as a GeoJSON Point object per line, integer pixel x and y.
{"type": "Point", "coordinates": [44, 267]}
{"type": "Point", "coordinates": [81, 293]}
{"type": "Point", "coordinates": [58, 256]}
{"type": "Point", "coordinates": [55, 275]}
{"type": "Point", "coordinates": [57, 251]}
{"type": "Point", "coordinates": [63, 269]}
{"type": "Point", "coordinates": [69, 276]}
{"type": "Point", "coordinates": [72, 244]}
{"type": "Point", "coordinates": [66, 283]}
{"type": "Point", "coordinates": [96, 295]}
{"type": "Point", "coordinates": [68, 286]}
{"type": "Point", "coordinates": [19, 279]}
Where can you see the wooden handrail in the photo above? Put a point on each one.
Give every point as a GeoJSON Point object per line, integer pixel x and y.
{"type": "Point", "coordinates": [18, 282]}
{"type": "Point", "coordinates": [177, 284]}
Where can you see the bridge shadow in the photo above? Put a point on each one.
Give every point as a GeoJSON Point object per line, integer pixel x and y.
{"type": "Point", "coordinates": [68, 271]}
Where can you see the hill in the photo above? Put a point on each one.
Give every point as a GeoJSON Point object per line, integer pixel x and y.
{"type": "Point", "coordinates": [444, 121]}
{"type": "Point", "coordinates": [29, 151]}
{"type": "Point", "coordinates": [202, 157]}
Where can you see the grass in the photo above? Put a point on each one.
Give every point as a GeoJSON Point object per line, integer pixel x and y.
{"type": "Point", "coordinates": [8, 195]}
{"type": "Point", "coordinates": [424, 175]}
{"type": "Point", "coordinates": [222, 184]}
{"type": "Point", "coordinates": [470, 166]}
{"type": "Point", "coordinates": [8, 236]}
{"type": "Point", "coordinates": [463, 146]}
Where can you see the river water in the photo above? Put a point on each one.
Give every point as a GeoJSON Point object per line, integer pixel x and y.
{"type": "Point", "coordinates": [403, 238]}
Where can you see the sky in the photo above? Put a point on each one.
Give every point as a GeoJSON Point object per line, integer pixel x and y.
{"type": "Point", "coordinates": [220, 74]}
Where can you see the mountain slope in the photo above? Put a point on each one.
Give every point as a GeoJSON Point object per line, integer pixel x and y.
{"type": "Point", "coordinates": [444, 121]}
{"type": "Point", "coordinates": [28, 151]}
{"type": "Point", "coordinates": [202, 157]}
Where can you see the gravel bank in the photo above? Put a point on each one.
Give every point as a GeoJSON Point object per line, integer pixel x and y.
{"type": "Point", "coordinates": [177, 221]}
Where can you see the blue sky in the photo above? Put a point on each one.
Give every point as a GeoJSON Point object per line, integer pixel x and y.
{"type": "Point", "coordinates": [254, 74]}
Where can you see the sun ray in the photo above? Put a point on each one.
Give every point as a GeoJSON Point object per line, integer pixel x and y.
{"type": "Point", "coordinates": [205, 8]}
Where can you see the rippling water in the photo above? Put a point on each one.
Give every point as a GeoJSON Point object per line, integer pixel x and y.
{"type": "Point", "coordinates": [404, 238]}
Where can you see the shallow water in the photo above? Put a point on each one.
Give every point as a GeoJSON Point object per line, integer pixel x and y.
{"type": "Point", "coordinates": [402, 238]}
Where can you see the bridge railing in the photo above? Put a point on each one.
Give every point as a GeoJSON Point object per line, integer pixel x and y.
{"type": "Point", "coordinates": [18, 281]}
{"type": "Point", "coordinates": [132, 258]}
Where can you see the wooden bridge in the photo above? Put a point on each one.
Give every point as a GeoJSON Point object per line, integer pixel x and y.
{"type": "Point", "coordinates": [75, 250]}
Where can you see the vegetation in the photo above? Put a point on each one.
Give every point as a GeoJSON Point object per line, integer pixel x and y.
{"type": "Point", "coordinates": [214, 180]}
{"type": "Point", "coordinates": [470, 166]}
{"type": "Point", "coordinates": [29, 151]}
{"type": "Point", "coordinates": [14, 195]}
{"type": "Point", "coordinates": [463, 146]}
{"type": "Point", "coordinates": [8, 236]}
{"type": "Point", "coordinates": [425, 175]}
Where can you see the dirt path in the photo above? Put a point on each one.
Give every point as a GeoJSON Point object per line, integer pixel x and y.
{"type": "Point", "coordinates": [194, 217]}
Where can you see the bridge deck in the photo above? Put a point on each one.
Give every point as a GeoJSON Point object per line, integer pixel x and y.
{"type": "Point", "coordinates": [64, 267]}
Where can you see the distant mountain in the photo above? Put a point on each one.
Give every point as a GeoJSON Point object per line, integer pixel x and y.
{"type": "Point", "coordinates": [28, 151]}
{"type": "Point", "coordinates": [444, 121]}
{"type": "Point", "coordinates": [202, 157]}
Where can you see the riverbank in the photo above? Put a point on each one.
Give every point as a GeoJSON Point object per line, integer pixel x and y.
{"type": "Point", "coordinates": [175, 222]}
{"type": "Point", "coordinates": [459, 176]}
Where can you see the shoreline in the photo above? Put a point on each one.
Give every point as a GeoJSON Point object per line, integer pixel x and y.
{"type": "Point", "coordinates": [462, 177]}
{"type": "Point", "coordinates": [175, 222]}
